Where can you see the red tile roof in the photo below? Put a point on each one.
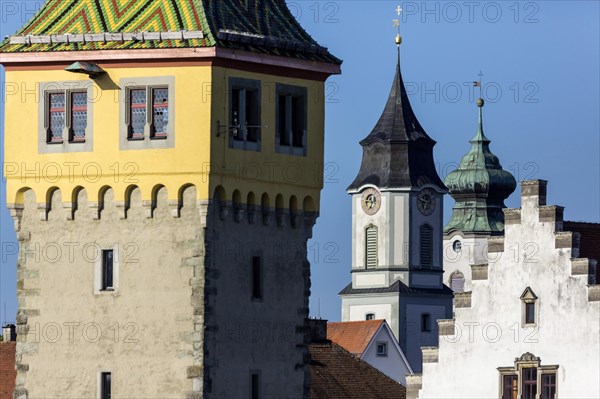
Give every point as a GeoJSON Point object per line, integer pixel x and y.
{"type": "Point", "coordinates": [337, 374]}
{"type": "Point", "coordinates": [354, 336]}
{"type": "Point", "coordinates": [589, 245]}
{"type": "Point", "coordinates": [8, 374]}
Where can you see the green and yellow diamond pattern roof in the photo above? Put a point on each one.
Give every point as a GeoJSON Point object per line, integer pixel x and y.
{"type": "Point", "coordinates": [264, 26]}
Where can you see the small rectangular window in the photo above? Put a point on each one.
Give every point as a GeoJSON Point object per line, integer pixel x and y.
{"type": "Point", "coordinates": [105, 386]}
{"type": "Point", "coordinates": [530, 313]}
{"type": "Point", "coordinates": [510, 387]}
{"type": "Point", "coordinates": [255, 386]}
{"type": "Point", "coordinates": [160, 112]}
{"type": "Point", "coordinates": [548, 386]}
{"type": "Point", "coordinates": [370, 316]}
{"type": "Point", "coordinates": [381, 349]}
{"type": "Point", "coordinates": [78, 116]}
{"type": "Point", "coordinates": [529, 383]}
{"type": "Point", "coordinates": [292, 119]}
{"type": "Point", "coordinates": [107, 270]}
{"type": "Point", "coordinates": [56, 113]}
{"type": "Point", "coordinates": [137, 113]}
{"type": "Point", "coordinates": [425, 322]}
{"type": "Point", "coordinates": [256, 278]}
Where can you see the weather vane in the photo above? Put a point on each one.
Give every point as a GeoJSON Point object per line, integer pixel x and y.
{"type": "Point", "coordinates": [397, 25]}
{"type": "Point", "coordinates": [479, 84]}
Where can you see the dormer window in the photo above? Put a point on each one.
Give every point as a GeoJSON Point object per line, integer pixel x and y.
{"type": "Point", "coordinates": [529, 306]}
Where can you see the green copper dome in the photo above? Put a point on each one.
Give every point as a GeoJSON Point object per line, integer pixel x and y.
{"type": "Point", "coordinates": [479, 186]}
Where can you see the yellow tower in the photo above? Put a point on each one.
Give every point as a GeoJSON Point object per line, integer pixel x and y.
{"type": "Point", "coordinates": [164, 165]}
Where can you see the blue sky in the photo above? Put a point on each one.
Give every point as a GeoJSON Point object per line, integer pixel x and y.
{"type": "Point", "coordinates": [541, 66]}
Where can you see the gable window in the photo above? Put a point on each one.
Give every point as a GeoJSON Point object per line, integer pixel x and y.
{"type": "Point", "coordinates": [107, 270]}
{"type": "Point", "coordinates": [244, 114]}
{"type": "Point", "coordinates": [371, 247]}
{"type": "Point", "coordinates": [528, 379]}
{"type": "Point", "coordinates": [370, 316]}
{"type": "Point", "coordinates": [529, 305]}
{"type": "Point", "coordinates": [147, 113]}
{"type": "Point", "coordinates": [382, 349]}
{"type": "Point", "coordinates": [425, 322]}
{"type": "Point", "coordinates": [457, 281]}
{"type": "Point", "coordinates": [426, 245]}
{"type": "Point", "coordinates": [256, 278]}
{"type": "Point", "coordinates": [292, 119]}
{"type": "Point", "coordinates": [105, 386]}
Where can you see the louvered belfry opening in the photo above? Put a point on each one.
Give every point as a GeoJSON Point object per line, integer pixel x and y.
{"type": "Point", "coordinates": [426, 240]}
{"type": "Point", "coordinates": [371, 247]}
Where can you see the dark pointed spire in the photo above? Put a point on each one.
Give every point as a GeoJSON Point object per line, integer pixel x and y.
{"type": "Point", "coordinates": [479, 186]}
{"type": "Point", "coordinates": [397, 153]}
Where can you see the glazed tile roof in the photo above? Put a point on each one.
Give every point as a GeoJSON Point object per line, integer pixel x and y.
{"type": "Point", "coordinates": [264, 26]}
{"type": "Point", "coordinates": [336, 373]}
{"type": "Point", "coordinates": [354, 336]}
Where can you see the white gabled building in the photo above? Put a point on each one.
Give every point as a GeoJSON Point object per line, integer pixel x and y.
{"type": "Point", "coordinates": [529, 328]}
{"type": "Point", "coordinates": [374, 342]}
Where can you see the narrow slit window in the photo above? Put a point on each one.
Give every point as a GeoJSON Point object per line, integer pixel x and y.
{"type": "Point", "coordinates": [426, 246]}
{"type": "Point", "coordinates": [105, 386]}
{"type": "Point", "coordinates": [256, 278]}
{"type": "Point", "coordinates": [530, 313]}
{"type": "Point", "coordinates": [255, 386]}
{"type": "Point", "coordinates": [107, 270]}
{"type": "Point", "coordinates": [78, 116]}
{"type": "Point", "coordinates": [371, 247]}
{"type": "Point", "coordinates": [137, 113]}
{"type": "Point", "coordinates": [160, 112]}
{"type": "Point", "coordinates": [56, 114]}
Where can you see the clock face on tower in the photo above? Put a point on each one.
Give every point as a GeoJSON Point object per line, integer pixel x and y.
{"type": "Point", "coordinates": [371, 201]}
{"type": "Point", "coordinates": [426, 201]}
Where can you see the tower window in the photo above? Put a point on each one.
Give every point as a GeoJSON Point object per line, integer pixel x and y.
{"type": "Point", "coordinates": [256, 278]}
{"type": "Point", "coordinates": [56, 112]}
{"type": "Point", "coordinates": [425, 322]}
{"type": "Point", "coordinates": [370, 316]}
{"type": "Point", "coordinates": [291, 119]}
{"type": "Point", "coordinates": [382, 349]}
{"type": "Point", "coordinates": [66, 110]}
{"type": "Point", "coordinates": [457, 281]}
{"type": "Point", "coordinates": [426, 245]}
{"type": "Point", "coordinates": [148, 106]}
{"type": "Point", "coordinates": [255, 386]}
{"type": "Point", "coordinates": [105, 386]}
{"type": "Point", "coordinates": [244, 113]}
{"type": "Point", "coordinates": [107, 270]}
{"type": "Point", "coordinates": [371, 247]}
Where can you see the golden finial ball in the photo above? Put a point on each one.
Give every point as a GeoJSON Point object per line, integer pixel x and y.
{"type": "Point", "coordinates": [398, 39]}
{"type": "Point", "coordinates": [480, 102]}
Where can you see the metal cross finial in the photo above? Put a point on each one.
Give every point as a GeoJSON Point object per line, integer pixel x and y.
{"type": "Point", "coordinates": [399, 10]}
{"type": "Point", "coordinates": [397, 25]}
{"type": "Point", "coordinates": [480, 84]}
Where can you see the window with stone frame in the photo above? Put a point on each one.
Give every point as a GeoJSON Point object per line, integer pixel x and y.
{"type": "Point", "coordinates": [66, 113]}
{"type": "Point", "coordinates": [529, 307]}
{"type": "Point", "coordinates": [457, 281]}
{"type": "Point", "coordinates": [291, 119]}
{"type": "Point", "coordinates": [528, 379]}
{"type": "Point", "coordinates": [244, 114]}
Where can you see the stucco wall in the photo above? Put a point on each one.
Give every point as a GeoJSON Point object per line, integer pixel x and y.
{"type": "Point", "coordinates": [391, 365]}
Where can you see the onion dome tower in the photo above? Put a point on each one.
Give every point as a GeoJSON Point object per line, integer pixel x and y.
{"type": "Point", "coordinates": [479, 186]}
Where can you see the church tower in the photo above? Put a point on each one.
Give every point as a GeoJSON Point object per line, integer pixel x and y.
{"type": "Point", "coordinates": [160, 163]}
{"type": "Point", "coordinates": [397, 227]}
{"type": "Point", "coordinates": [479, 186]}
